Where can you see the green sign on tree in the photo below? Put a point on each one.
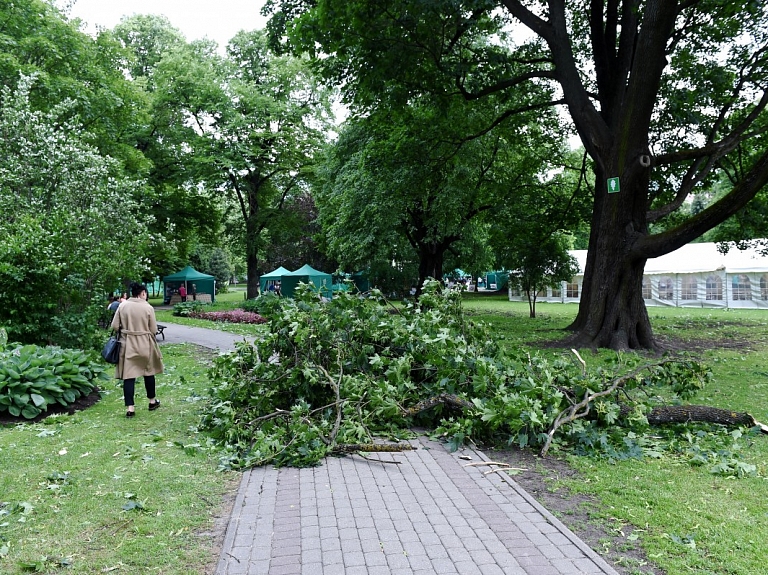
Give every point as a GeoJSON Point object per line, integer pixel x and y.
{"type": "Point", "coordinates": [613, 185]}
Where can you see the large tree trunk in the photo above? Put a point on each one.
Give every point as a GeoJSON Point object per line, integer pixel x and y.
{"type": "Point", "coordinates": [430, 263]}
{"type": "Point", "coordinates": [252, 256]}
{"type": "Point", "coordinates": [612, 313]}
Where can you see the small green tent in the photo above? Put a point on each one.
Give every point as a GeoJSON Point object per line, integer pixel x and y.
{"type": "Point", "coordinates": [361, 281]}
{"type": "Point", "coordinates": [320, 281]}
{"type": "Point", "coordinates": [189, 277]}
{"type": "Point", "coordinates": [271, 278]}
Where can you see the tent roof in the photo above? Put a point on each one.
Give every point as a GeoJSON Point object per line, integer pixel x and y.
{"type": "Point", "coordinates": [187, 274]}
{"type": "Point", "coordinates": [697, 258]}
{"type": "Point", "coordinates": [281, 271]}
{"type": "Point", "coordinates": [306, 270]}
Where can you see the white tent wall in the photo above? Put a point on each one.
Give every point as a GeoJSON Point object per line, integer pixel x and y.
{"type": "Point", "coordinates": [696, 275]}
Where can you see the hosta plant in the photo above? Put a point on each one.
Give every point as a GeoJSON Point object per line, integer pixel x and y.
{"type": "Point", "coordinates": [33, 378]}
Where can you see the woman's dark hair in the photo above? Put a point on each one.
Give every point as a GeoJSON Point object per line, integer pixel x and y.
{"type": "Point", "coordinates": [137, 288]}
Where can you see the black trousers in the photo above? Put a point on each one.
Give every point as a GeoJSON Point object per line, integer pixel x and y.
{"type": "Point", "coordinates": [129, 386]}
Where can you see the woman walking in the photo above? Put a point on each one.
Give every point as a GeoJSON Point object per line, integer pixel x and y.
{"type": "Point", "coordinates": [139, 353]}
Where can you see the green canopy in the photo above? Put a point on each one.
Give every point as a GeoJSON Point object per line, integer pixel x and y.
{"type": "Point", "coordinates": [271, 278]}
{"type": "Point", "coordinates": [193, 281]}
{"type": "Point", "coordinates": [320, 281]}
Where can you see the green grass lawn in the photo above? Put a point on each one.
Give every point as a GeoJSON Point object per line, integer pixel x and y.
{"type": "Point", "coordinates": [687, 519]}
{"type": "Point", "coordinates": [101, 493]}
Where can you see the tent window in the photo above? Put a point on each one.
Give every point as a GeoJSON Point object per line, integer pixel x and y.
{"type": "Point", "coordinates": [689, 288]}
{"type": "Point", "coordinates": [541, 293]}
{"type": "Point", "coordinates": [647, 287]}
{"type": "Point", "coordinates": [714, 288]}
{"type": "Point", "coordinates": [742, 290]}
{"type": "Point", "coordinates": [666, 288]}
{"type": "Point", "coordinates": [572, 289]}
{"type": "Point", "coordinates": [764, 287]}
{"type": "Point", "coordinates": [514, 290]}
{"type": "Point", "coordinates": [556, 291]}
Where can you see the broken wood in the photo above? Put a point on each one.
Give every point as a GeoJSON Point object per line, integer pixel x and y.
{"type": "Point", "coordinates": [372, 447]}
{"type": "Point", "coordinates": [703, 413]}
{"type": "Point", "coordinates": [448, 399]}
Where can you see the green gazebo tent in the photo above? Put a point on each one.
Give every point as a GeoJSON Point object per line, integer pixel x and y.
{"type": "Point", "coordinates": [204, 284]}
{"type": "Point", "coordinates": [321, 281]}
{"type": "Point", "coordinates": [271, 278]}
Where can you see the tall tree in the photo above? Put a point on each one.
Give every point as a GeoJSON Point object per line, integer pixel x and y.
{"type": "Point", "coordinates": [36, 38]}
{"type": "Point", "coordinates": [664, 94]}
{"type": "Point", "coordinates": [410, 186]}
{"type": "Point", "coordinates": [176, 77]}
{"type": "Point", "coordinates": [264, 136]}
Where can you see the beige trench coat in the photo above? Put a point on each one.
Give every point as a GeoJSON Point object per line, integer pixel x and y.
{"type": "Point", "coordinates": [139, 353]}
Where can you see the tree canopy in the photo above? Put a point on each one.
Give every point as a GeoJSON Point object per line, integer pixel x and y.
{"type": "Point", "coordinates": [664, 95]}
{"type": "Point", "coordinates": [70, 230]}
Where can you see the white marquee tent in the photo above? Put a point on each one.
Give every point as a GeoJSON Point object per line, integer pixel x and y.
{"type": "Point", "coordinates": [696, 275]}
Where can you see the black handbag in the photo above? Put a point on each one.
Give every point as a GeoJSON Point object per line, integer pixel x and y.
{"type": "Point", "coordinates": [111, 350]}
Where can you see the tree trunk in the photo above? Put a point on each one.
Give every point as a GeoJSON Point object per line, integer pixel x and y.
{"type": "Point", "coordinates": [612, 313]}
{"type": "Point", "coordinates": [252, 256]}
{"type": "Point", "coordinates": [430, 263]}
{"type": "Point", "coordinates": [531, 303]}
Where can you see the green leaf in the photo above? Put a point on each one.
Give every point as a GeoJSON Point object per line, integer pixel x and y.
{"type": "Point", "coordinates": [30, 411]}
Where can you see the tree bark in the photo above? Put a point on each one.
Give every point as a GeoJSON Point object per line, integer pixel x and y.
{"type": "Point", "coordinates": [704, 413]}
{"type": "Point", "coordinates": [612, 313]}
{"type": "Point", "coordinates": [252, 232]}
{"type": "Point", "coordinates": [430, 263]}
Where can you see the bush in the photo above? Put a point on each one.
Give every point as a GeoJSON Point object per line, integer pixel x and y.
{"type": "Point", "coordinates": [33, 378]}
{"type": "Point", "coordinates": [267, 304]}
{"type": "Point", "coordinates": [234, 316]}
{"type": "Point", "coordinates": [186, 309]}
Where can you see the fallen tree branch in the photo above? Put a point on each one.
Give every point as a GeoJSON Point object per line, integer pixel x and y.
{"type": "Point", "coordinates": [444, 398]}
{"type": "Point", "coordinates": [688, 413]}
{"type": "Point", "coordinates": [372, 447]}
{"type": "Point", "coordinates": [581, 409]}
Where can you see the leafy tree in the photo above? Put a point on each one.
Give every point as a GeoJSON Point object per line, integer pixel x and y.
{"type": "Point", "coordinates": [219, 267]}
{"type": "Point", "coordinates": [69, 228]}
{"type": "Point", "coordinates": [170, 71]}
{"type": "Point", "coordinates": [411, 187]}
{"type": "Point", "coordinates": [36, 38]}
{"type": "Point", "coordinates": [257, 120]}
{"type": "Point", "coordinates": [664, 94]}
{"type": "Point", "coordinates": [538, 261]}
{"type": "Point", "coordinates": [292, 239]}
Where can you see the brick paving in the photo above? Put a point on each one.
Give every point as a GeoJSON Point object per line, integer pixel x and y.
{"type": "Point", "coordinates": [429, 513]}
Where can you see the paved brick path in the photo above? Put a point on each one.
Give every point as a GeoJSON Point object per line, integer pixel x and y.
{"type": "Point", "coordinates": [429, 514]}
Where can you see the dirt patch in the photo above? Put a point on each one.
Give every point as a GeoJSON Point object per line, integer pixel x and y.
{"type": "Point", "coordinates": [668, 345]}
{"type": "Point", "coordinates": [81, 403]}
{"type": "Point", "coordinates": [576, 511]}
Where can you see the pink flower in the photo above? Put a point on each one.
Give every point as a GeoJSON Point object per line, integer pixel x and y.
{"type": "Point", "coordinates": [234, 316]}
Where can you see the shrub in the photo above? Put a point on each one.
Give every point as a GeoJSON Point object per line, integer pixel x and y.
{"type": "Point", "coordinates": [234, 316]}
{"type": "Point", "coordinates": [186, 309]}
{"type": "Point", "coordinates": [267, 304]}
{"type": "Point", "coordinates": [33, 378]}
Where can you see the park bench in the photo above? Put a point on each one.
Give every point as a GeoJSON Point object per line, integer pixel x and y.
{"type": "Point", "coordinates": [160, 329]}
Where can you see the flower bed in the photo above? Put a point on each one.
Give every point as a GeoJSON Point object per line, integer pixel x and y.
{"type": "Point", "coordinates": [234, 316]}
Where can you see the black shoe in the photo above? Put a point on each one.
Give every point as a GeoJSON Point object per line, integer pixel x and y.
{"type": "Point", "coordinates": [154, 406]}
{"type": "Point", "coordinates": [130, 413]}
